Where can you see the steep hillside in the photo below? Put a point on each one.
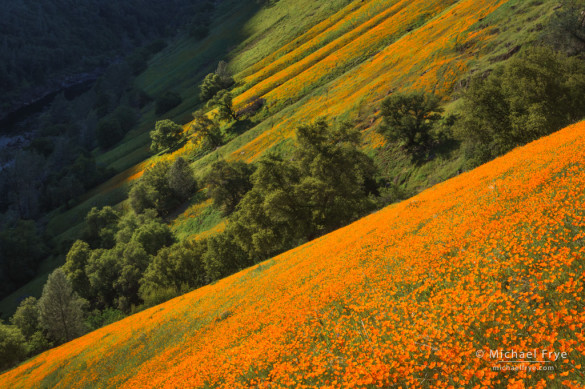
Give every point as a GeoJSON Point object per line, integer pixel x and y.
{"type": "Point", "coordinates": [343, 67]}
{"type": "Point", "coordinates": [242, 31]}
{"type": "Point", "coordinates": [340, 69]}
{"type": "Point", "coordinates": [414, 295]}
{"type": "Point", "coordinates": [247, 30]}
{"type": "Point", "coordinates": [307, 59]}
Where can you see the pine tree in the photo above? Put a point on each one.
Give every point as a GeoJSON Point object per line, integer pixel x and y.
{"type": "Point", "coordinates": [61, 309]}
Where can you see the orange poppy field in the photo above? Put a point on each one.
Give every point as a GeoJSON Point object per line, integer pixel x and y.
{"type": "Point", "coordinates": [424, 293]}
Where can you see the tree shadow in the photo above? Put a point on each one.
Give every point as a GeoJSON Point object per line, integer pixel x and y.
{"type": "Point", "coordinates": [238, 127]}
{"type": "Point", "coordinates": [444, 148]}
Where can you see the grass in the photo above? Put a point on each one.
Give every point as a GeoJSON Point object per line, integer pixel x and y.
{"type": "Point", "coordinates": [199, 217]}
{"type": "Point", "coordinates": [490, 259]}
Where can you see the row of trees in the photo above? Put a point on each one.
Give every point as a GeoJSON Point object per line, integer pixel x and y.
{"type": "Point", "coordinates": [532, 95]}
{"type": "Point", "coordinates": [125, 261]}
{"type": "Point", "coordinates": [270, 207]}
{"type": "Point", "coordinates": [108, 272]}
{"type": "Point", "coordinates": [281, 203]}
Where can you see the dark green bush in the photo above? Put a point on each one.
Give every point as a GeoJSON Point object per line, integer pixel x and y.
{"type": "Point", "coordinates": [409, 119]}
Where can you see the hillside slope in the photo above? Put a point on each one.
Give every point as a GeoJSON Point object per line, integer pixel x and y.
{"type": "Point", "coordinates": [348, 56]}
{"type": "Point", "coordinates": [492, 259]}
{"type": "Point", "coordinates": [344, 66]}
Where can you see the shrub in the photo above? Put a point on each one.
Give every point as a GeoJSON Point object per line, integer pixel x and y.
{"type": "Point", "coordinates": [74, 268]}
{"type": "Point", "coordinates": [142, 197]}
{"type": "Point", "coordinates": [323, 187]}
{"type": "Point", "coordinates": [26, 317]}
{"type": "Point", "coordinates": [101, 227]}
{"type": "Point", "coordinates": [224, 256]}
{"type": "Point", "coordinates": [252, 108]}
{"type": "Point", "coordinates": [165, 135]}
{"type": "Point", "coordinates": [179, 266]}
{"type": "Point", "coordinates": [209, 87]}
{"type": "Point", "coordinates": [38, 343]}
{"type": "Point", "coordinates": [12, 346]}
{"type": "Point", "coordinates": [163, 187]}
{"type": "Point", "coordinates": [222, 102]}
{"type": "Point", "coordinates": [207, 130]}
{"type": "Point", "coordinates": [567, 27]}
{"type": "Point", "coordinates": [533, 95]}
{"type": "Point", "coordinates": [227, 183]}
{"type": "Point", "coordinates": [215, 82]}
{"type": "Point", "coordinates": [97, 319]}
{"type": "Point", "coordinates": [181, 179]}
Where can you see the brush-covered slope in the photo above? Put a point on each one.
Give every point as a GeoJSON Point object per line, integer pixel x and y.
{"type": "Point", "coordinates": [490, 260]}
{"type": "Point", "coordinates": [344, 66]}
{"type": "Point", "coordinates": [307, 59]}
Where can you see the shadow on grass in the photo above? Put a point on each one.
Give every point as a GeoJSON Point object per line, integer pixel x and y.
{"type": "Point", "coordinates": [444, 149]}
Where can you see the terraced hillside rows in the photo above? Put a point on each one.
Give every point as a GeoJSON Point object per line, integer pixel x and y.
{"type": "Point", "coordinates": [345, 65]}
{"type": "Point", "coordinates": [399, 45]}
{"type": "Point", "coordinates": [415, 295]}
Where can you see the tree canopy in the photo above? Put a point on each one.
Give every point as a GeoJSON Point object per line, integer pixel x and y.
{"type": "Point", "coordinates": [215, 82]}
{"type": "Point", "coordinates": [227, 183]}
{"type": "Point", "coordinates": [534, 94]}
{"type": "Point", "coordinates": [222, 102]}
{"type": "Point", "coordinates": [165, 135]}
{"type": "Point", "coordinates": [409, 119]}
{"type": "Point", "coordinates": [324, 186]}
{"type": "Point", "coordinates": [206, 130]}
